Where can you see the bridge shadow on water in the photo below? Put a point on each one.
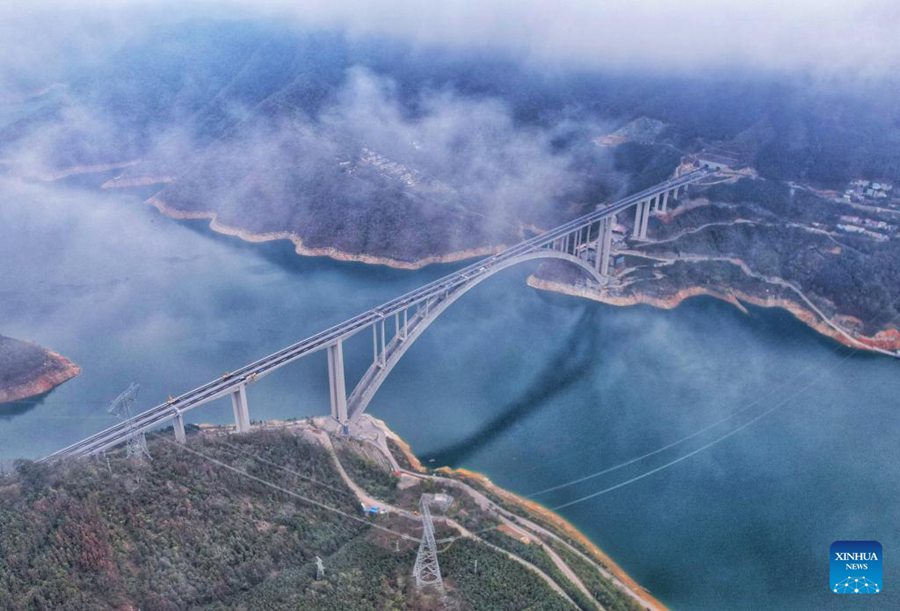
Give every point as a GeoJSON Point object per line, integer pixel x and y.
{"type": "Point", "coordinates": [568, 365]}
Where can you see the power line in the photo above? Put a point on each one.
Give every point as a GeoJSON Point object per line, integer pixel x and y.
{"type": "Point", "coordinates": [588, 447]}
{"type": "Point", "coordinates": [701, 448]}
{"type": "Point", "coordinates": [286, 470]}
{"type": "Point", "coordinates": [288, 492]}
{"type": "Point", "coordinates": [662, 448]}
{"type": "Point", "coordinates": [850, 352]}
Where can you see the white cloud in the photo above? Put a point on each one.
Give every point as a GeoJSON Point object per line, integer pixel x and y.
{"type": "Point", "coordinates": [826, 37]}
{"type": "Point", "coordinates": [819, 35]}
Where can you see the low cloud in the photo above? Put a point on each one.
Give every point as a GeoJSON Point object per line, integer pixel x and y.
{"type": "Point", "coordinates": [385, 174]}
{"type": "Point", "coordinates": [823, 37]}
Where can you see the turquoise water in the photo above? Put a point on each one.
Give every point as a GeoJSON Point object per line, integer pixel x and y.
{"type": "Point", "coordinates": [531, 388]}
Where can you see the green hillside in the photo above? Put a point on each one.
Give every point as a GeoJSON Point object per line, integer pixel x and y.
{"type": "Point", "coordinates": [185, 531]}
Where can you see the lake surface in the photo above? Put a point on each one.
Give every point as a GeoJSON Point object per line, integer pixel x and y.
{"type": "Point", "coordinates": [790, 440]}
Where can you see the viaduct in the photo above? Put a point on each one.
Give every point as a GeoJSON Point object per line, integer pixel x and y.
{"type": "Point", "coordinates": [585, 242]}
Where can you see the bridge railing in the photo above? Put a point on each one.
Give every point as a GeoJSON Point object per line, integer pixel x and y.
{"type": "Point", "coordinates": [160, 414]}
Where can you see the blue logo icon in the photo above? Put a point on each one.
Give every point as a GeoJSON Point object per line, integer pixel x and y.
{"type": "Point", "coordinates": [856, 567]}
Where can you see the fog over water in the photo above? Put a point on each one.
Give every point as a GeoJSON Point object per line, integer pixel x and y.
{"type": "Point", "coordinates": [532, 389]}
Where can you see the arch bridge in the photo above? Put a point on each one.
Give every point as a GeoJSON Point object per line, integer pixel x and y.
{"type": "Point", "coordinates": [585, 242]}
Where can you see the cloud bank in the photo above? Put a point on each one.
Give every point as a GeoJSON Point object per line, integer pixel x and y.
{"type": "Point", "coordinates": [367, 177]}
{"type": "Point", "coordinates": [820, 35]}
{"type": "Point", "coordinates": [824, 37]}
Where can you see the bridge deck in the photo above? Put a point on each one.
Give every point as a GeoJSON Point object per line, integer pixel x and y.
{"type": "Point", "coordinates": [220, 387]}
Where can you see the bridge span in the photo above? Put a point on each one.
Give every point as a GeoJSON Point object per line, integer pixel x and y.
{"type": "Point", "coordinates": [585, 242]}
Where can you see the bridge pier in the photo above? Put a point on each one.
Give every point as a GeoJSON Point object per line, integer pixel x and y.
{"type": "Point", "coordinates": [645, 220]}
{"type": "Point", "coordinates": [178, 426]}
{"type": "Point", "coordinates": [383, 351]}
{"type": "Point", "coordinates": [665, 201]}
{"type": "Point", "coordinates": [604, 246]}
{"type": "Point", "coordinates": [241, 411]}
{"type": "Point", "coordinates": [638, 215]}
{"type": "Point", "coordinates": [336, 382]}
{"type": "Point", "coordinates": [378, 352]}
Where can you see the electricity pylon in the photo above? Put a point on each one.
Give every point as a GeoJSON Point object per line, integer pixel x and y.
{"type": "Point", "coordinates": [426, 570]}
{"type": "Point", "coordinates": [320, 569]}
{"type": "Point", "coordinates": [121, 407]}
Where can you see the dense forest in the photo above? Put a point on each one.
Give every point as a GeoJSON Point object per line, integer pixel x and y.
{"type": "Point", "coordinates": [376, 147]}
{"type": "Point", "coordinates": [180, 531]}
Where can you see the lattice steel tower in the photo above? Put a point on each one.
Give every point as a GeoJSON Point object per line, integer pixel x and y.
{"type": "Point", "coordinates": [426, 570]}
{"type": "Point", "coordinates": [121, 407]}
{"type": "Point", "coordinates": [320, 569]}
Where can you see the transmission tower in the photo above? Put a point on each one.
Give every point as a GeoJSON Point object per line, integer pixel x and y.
{"type": "Point", "coordinates": [121, 407]}
{"type": "Point", "coordinates": [320, 569]}
{"type": "Point", "coordinates": [426, 570]}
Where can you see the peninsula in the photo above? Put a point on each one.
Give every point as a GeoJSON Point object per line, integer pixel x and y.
{"type": "Point", "coordinates": [27, 370]}
{"type": "Point", "coordinates": [240, 520]}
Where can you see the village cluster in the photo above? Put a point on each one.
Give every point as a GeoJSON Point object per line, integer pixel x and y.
{"type": "Point", "coordinates": [868, 191]}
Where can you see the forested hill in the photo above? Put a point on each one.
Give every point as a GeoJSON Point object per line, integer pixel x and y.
{"type": "Point", "coordinates": [27, 369]}
{"type": "Point", "coordinates": [376, 148]}
{"type": "Point", "coordinates": [182, 531]}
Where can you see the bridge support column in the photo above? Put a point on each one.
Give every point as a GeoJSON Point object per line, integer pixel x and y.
{"type": "Point", "coordinates": [178, 426]}
{"type": "Point", "coordinates": [604, 246]}
{"type": "Point", "coordinates": [383, 345]}
{"type": "Point", "coordinates": [638, 216]}
{"type": "Point", "coordinates": [378, 356]}
{"type": "Point", "coordinates": [241, 411]}
{"type": "Point", "coordinates": [665, 201]}
{"type": "Point", "coordinates": [336, 382]}
{"type": "Point", "coordinates": [375, 338]}
{"type": "Point", "coordinates": [645, 220]}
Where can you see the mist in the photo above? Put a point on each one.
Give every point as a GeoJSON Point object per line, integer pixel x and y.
{"type": "Point", "coordinates": [403, 130]}
{"type": "Point", "coordinates": [828, 38]}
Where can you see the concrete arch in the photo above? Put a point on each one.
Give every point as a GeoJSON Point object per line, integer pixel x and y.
{"type": "Point", "coordinates": [378, 372]}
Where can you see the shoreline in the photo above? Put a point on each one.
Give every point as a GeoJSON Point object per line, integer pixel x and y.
{"type": "Point", "coordinates": [530, 507]}
{"type": "Point", "coordinates": [64, 371]}
{"type": "Point", "coordinates": [305, 251]}
{"type": "Point", "coordinates": [884, 340]}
